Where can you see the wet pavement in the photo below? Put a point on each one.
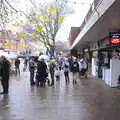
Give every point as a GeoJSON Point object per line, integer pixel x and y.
{"type": "Point", "coordinates": [90, 99]}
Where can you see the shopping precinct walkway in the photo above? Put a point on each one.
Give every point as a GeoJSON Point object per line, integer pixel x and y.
{"type": "Point", "coordinates": [88, 100]}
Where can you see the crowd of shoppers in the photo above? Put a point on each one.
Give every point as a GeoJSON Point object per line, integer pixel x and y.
{"type": "Point", "coordinates": [40, 69]}
{"type": "Point", "coordinates": [54, 67]}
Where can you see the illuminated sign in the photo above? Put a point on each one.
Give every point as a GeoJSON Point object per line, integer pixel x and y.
{"type": "Point", "coordinates": [114, 38]}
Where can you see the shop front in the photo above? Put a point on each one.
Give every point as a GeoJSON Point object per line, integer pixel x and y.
{"type": "Point", "coordinates": [111, 70]}
{"type": "Point", "coordinates": [106, 61]}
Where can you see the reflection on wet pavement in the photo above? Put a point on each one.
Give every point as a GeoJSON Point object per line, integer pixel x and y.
{"type": "Point", "coordinates": [88, 100]}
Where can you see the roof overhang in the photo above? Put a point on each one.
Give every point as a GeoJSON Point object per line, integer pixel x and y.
{"type": "Point", "coordinates": [107, 22]}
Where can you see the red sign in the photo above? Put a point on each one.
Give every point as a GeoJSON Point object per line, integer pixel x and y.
{"type": "Point", "coordinates": [114, 37]}
{"type": "Point", "coordinates": [114, 40]}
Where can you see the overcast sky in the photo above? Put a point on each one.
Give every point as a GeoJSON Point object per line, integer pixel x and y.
{"type": "Point", "coordinates": [75, 19]}
{"type": "Point", "coordinates": [71, 20]}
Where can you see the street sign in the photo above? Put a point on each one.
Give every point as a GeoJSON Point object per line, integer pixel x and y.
{"type": "Point", "coordinates": [114, 37]}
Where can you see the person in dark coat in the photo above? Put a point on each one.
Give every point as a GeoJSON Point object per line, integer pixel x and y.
{"type": "Point", "coordinates": [52, 71]}
{"type": "Point", "coordinates": [66, 71]}
{"type": "Point", "coordinates": [17, 66]}
{"type": "Point", "coordinates": [41, 73]}
{"type": "Point", "coordinates": [75, 70]}
{"type": "Point", "coordinates": [70, 60]}
{"type": "Point", "coordinates": [4, 74]}
{"type": "Point", "coordinates": [32, 71]}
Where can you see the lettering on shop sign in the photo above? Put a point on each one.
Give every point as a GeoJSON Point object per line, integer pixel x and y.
{"type": "Point", "coordinates": [114, 37]}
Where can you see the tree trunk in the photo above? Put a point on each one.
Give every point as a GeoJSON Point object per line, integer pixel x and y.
{"type": "Point", "coordinates": [52, 51]}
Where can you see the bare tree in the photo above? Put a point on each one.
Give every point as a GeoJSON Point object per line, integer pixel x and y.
{"type": "Point", "coordinates": [8, 10]}
{"type": "Point", "coordinates": [47, 19]}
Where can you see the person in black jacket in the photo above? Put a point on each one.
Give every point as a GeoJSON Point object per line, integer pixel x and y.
{"type": "Point", "coordinates": [75, 70]}
{"type": "Point", "coordinates": [32, 71]}
{"type": "Point", "coordinates": [41, 73]}
{"type": "Point", "coordinates": [52, 71]}
{"type": "Point", "coordinates": [17, 66]}
{"type": "Point", "coordinates": [4, 74]}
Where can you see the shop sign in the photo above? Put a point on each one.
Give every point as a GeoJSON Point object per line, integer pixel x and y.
{"type": "Point", "coordinates": [114, 38]}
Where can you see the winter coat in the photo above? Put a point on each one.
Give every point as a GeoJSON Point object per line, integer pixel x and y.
{"type": "Point", "coordinates": [41, 69]}
{"type": "Point", "coordinates": [17, 63]}
{"type": "Point", "coordinates": [52, 67]}
{"type": "Point", "coordinates": [4, 69]}
{"type": "Point", "coordinates": [75, 67]}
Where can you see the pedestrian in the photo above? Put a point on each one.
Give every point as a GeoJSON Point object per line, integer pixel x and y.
{"type": "Point", "coordinates": [61, 62]}
{"type": "Point", "coordinates": [83, 68]}
{"type": "Point", "coordinates": [25, 64]}
{"type": "Point", "coordinates": [32, 71]}
{"type": "Point", "coordinates": [52, 70]}
{"type": "Point", "coordinates": [41, 73]}
{"type": "Point", "coordinates": [75, 70]}
{"type": "Point", "coordinates": [4, 74]}
{"type": "Point", "coordinates": [86, 67]}
{"type": "Point", "coordinates": [70, 60]}
{"type": "Point", "coordinates": [57, 73]}
{"type": "Point", "coordinates": [17, 66]}
{"type": "Point", "coordinates": [66, 71]}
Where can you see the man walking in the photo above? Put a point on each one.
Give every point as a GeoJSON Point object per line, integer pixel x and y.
{"type": "Point", "coordinates": [17, 66]}
{"type": "Point", "coordinates": [75, 70]}
{"type": "Point", "coordinates": [32, 71]}
{"type": "Point", "coordinates": [66, 71]}
{"type": "Point", "coordinates": [52, 71]}
{"type": "Point", "coordinates": [4, 74]}
{"type": "Point", "coordinates": [41, 73]}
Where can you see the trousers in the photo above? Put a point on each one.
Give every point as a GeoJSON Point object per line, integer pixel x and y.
{"type": "Point", "coordinates": [5, 85]}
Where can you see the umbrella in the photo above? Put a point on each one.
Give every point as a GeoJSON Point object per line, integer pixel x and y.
{"type": "Point", "coordinates": [2, 53]}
